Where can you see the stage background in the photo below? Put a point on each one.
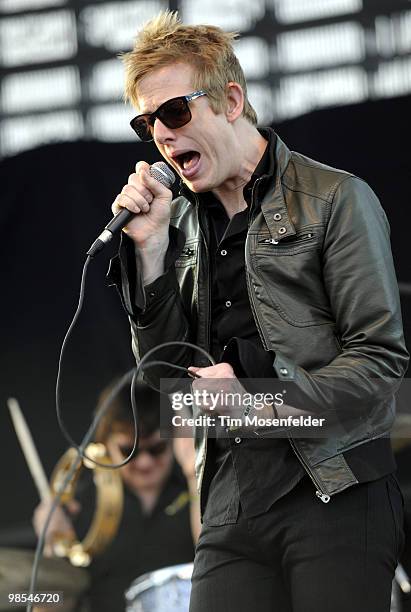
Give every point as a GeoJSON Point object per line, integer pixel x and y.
{"type": "Point", "coordinates": [329, 76]}
{"type": "Point", "coordinates": [56, 199]}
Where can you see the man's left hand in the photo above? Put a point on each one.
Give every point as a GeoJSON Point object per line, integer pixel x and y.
{"type": "Point", "coordinates": [219, 390]}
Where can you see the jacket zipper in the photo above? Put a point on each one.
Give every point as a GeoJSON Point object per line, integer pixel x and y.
{"type": "Point", "coordinates": [256, 316]}
{"type": "Point", "coordinates": [324, 497]}
{"type": "Point", "coordinates": [208, 331]}
{"type": "Point", "coordinates": [208, 270]}
{"type": "Point", "coordinates": [187, 252]}
{"type": "Point", "coordinates": [247, 276]}
{"type": "Point", "coordinates": [301, 238]}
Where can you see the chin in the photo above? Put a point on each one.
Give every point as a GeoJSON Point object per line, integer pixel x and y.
{"type": "Point", "coordinates": [198, 186]}
{"type": "Point", "coordinates": [143, 483]}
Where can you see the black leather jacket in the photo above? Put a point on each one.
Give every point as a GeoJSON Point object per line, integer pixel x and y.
{"type": "Point", "coordinates": [323, 292]}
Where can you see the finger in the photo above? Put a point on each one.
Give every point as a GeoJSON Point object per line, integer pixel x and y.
{"type": "Point", "coordinates": [209, 371]}
{"type": "Point", "coordinates": [220, 370]}
{"type": "Point", "coordinates": [193, 372]}
{"type": "Point", "coordinates": [135, 182]}
{"type": "Point", "coordinates": [156, 188]}
{"type": "Point", "coordinates": [143, 200]}
{"type": "Point", "coordinates": [142, 166]}
{"type": "Point", "coordinates": [124, 201]}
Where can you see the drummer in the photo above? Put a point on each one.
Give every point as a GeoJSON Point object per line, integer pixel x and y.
{"type": "Point", "coordinates": [160, 521]}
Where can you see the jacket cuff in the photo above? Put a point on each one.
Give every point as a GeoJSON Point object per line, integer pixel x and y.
{"type": "Point", "coordinates": [248, 360]}
{"type": "Point", "coordinates": [301, 396]}
{"type": "Point", "coordinates": [125, 273]}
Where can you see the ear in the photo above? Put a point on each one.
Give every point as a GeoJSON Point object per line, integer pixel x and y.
{"type": "Point", "coordinates": [235, 101]}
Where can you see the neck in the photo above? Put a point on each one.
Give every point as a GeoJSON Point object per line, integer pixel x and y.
{"type": "Point", "coordinates": [148, 499]}
{"type": "Point", "coordinates": [252, 145]}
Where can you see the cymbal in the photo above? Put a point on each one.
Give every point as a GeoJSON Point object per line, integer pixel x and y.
{"type": "Point", "coordinates": [54, 575]}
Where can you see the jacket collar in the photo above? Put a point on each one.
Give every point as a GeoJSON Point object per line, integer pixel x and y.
{"type": "Point", "coordinates": [273, 203]}
{"type": "Point", "coordinates": [273, 206]}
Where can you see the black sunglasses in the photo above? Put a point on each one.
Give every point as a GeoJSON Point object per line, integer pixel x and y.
{"type": "Point", "coordinates": [174, 114]}
{"type": "Point", "coordinates": [155, 450]}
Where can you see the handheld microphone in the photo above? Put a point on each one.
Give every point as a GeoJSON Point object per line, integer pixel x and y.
{"type": "Point", "coordinates": [162, 173]}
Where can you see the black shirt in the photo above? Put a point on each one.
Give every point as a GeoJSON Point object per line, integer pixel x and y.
{"type": "Point", "coordinates": [144, 542]}
{"type": "Point", "coordinates": [247, 471]}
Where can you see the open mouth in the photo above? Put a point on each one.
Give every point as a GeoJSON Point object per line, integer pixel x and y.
{"type": "Point", "coordinates": [188, 162]}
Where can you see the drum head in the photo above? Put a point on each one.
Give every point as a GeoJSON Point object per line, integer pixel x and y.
{"type": "Point", "coordinates": [165, 590]}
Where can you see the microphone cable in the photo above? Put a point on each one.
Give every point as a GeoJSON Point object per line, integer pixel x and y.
{"type": "Point", "coordinates": [130, 376]}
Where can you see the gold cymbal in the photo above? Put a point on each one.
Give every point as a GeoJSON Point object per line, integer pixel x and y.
{"type": "Point", "coordinates": [54, 575]}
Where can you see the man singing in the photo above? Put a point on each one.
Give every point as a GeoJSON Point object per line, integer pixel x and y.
{"type": "Point", "coordinates": [281, 267]}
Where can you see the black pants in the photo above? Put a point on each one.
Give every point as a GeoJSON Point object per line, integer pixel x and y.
{"type": "Point", "coordinates": [303, 555]}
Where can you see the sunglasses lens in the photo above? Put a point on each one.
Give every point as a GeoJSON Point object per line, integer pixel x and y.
{"type": "Point", "coordinates": [142, 128]}
{"type": "Point", "coordinates": [155, 451]}
{"type": "Point", "coordinates": [158, 449]}
{"type": "Point", "coordinates": [174, 113]}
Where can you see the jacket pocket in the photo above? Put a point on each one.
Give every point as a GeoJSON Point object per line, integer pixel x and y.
{"type": "Point", "coordinates": [303, 240]}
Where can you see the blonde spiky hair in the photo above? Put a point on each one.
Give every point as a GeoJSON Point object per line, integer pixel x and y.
{"type": "Point", "coordinates": [165, 40]}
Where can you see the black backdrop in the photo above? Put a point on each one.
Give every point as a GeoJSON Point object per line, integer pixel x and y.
{"type": "Point", "coordinates": [55, 200]}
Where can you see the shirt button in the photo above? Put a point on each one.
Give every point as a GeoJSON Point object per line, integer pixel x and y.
{"type": "Point", "coordinates": [283, 371]}
{"type": "Point", "coordinates": [223, 252]}
{"type": "Point", "coordinates": [152, 294]}
{"type": "Point", "coordinates": [277, 217]}
{"type": "Point", "coordinates": [228, 303]}
{"type": "Point", "coordinates": [282, 230]}
{"type": "Point", "coordinates": [237, 440]}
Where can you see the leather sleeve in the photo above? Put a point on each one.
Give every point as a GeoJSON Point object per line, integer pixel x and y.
{"type": "Point", "coordinates": [359, 277]}
{"type": "Point", "coordinates": [155, 311]}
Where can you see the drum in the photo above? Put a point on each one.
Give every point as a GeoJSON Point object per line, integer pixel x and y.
{"type": "Point", "coordinates": [165, 590]}
{"type": "Point", "coordinates": [168, 590]}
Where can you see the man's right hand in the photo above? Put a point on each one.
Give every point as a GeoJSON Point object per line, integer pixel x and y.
{"type": "Point", "coordinates": [150, 201]}
{"type": "Point", "coordinates": [60, 523]}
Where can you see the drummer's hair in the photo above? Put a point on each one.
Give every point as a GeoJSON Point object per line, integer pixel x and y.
{"type": "Point", "coordinates": [119, 416]}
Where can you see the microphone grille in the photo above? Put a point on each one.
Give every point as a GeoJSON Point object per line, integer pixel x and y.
{"type": "Point", "coordinates": [162, 173]}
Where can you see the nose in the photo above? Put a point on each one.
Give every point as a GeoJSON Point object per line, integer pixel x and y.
{"type": "Point", "coordinates": [161, 133]}
{"type": "Point", "coordinates": [144, 459]}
